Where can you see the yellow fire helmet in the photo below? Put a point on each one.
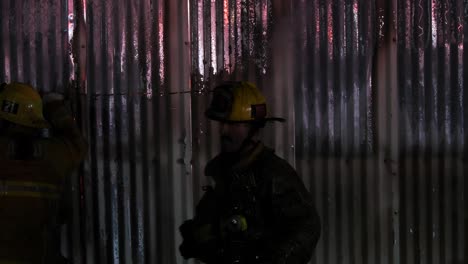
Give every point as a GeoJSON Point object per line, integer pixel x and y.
{"type": "Point", "coordinates": [21, 104]}
{"type": "Point", "coordinates": [239, 102]}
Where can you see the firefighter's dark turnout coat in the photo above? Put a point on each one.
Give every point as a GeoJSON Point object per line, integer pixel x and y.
{"type": "Point", "coordinates": [258, 212]}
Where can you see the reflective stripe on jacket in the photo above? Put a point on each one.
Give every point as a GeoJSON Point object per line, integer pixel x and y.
{"type": "Point", "coordinates": [30, 191]}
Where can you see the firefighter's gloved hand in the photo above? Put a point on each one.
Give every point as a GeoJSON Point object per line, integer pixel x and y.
{"type": "Point", "coordinates": [204, 250]}
{"type": "Point", "coordinates": [199, 240]}
{"type": "Point", "coordinates": [52, 97]}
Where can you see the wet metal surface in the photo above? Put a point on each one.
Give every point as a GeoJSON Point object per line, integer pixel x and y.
{"type": "Point", "coordinates": [373, 92]}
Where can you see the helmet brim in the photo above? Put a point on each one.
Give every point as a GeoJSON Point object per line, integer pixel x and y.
{"type": "Point", "coordinates": [39, 123]}
{"type": "Point", "coordinates": [224, 119]}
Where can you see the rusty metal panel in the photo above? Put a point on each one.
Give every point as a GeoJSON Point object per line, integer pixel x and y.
{"type": "Point", "coordinates": [32, 40]}
{"type": "Point", "coordinates": [432, 132]}
{"type": "Point", "coordinates": [335, 123]}
{"type": "Point", "coordinates": [345, 70]}
{"type": "Point", "coordinates": [318, 74]}
{"type": "Point", "coordinates": [373, 93]}
{"type": "Point", "coordinates": [138, 116]}
{"type": "Point", "coordinates": [126, 82]}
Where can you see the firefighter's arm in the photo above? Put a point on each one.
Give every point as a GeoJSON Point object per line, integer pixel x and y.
{"type": "Point", "coordinates": [296, 219]}
{"type": "Point", "coordinates": [64, 128]}
{"type": "Point", "coordinates": [199, 233]}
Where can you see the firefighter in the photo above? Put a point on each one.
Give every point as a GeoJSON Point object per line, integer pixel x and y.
{"type": "Point", "coordinates": [33, 167]}
{"type": "Point", "coordinates": [259, 210]}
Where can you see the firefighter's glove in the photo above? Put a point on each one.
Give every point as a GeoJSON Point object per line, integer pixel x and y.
{"type": "Point", "coordinates": [199, 239]}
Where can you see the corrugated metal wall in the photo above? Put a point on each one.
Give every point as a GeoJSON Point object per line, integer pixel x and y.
{"type": "Point", "coordinates": [137, 185]}
{"type": "Point", "coordinates": [373, 92]}
{"type": "Point", "coordinates": [432, 131]}
{"type": "Point", "coordinates": [335, 121]}
{"type": "Point", "coordinates": [33, 40]}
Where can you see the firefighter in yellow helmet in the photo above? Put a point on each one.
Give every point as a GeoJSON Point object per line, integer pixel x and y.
{"type": "Point", "coordinates": [32, 171]}
{"type": "Point", "coordinates": [259, 210]}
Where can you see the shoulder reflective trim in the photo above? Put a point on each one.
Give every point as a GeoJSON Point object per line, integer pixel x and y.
{"type": "Point", "coordinates": [12, 262]}
{"type": "Point", "coordinates": [29, 189]}
{"type": "Point", "coordinates": [31, 195]}
{"type": "Point", "coordinates": [42, 185]}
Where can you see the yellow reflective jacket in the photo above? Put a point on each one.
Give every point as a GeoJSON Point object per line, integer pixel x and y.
{"type": "Point", "coordinates": [31, 185]}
